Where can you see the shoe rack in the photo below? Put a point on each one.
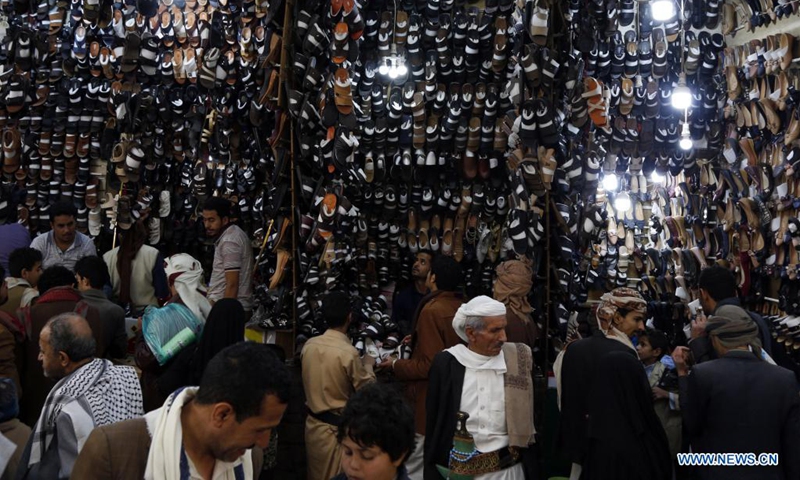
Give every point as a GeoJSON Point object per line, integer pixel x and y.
{"type": "Point", "coordinates": [778, 305]}
{"type": "Point", "coordinates": [742, 35]}
{"type": "Point", "coordinates": [284, 336]}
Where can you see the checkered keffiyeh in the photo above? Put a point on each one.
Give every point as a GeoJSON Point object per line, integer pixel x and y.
{"type": "Point", "coordinates": [619, 298]}
{"type": "Point", "coordinates": [99, 393]}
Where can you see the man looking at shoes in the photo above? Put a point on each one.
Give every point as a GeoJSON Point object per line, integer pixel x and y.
{"type": "Point", "coordinates": [332, 372]}
{"type": "Point", "coordinates": [63, 245]}
{"type": "Point", "coordinates": [232, 273]}
{"type": "Point", "coordinates": [210, 431]}
{"type": "Point", "coordinates": [433, 333]}
{"type": "Point", "coordinates": [406, 302]}
{"type": "Point", "coordinates": [490, 380]}
{"type": "Point", "coordinates": [90, 392]}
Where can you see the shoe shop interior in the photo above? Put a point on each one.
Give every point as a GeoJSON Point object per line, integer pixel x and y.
{"type": "Point", "coordinates": [383, 148]}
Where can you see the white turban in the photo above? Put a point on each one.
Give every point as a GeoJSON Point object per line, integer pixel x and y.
{"type": "Point", "coordinates": [481, 306]}
{"type": "Point", "coordinates": [188, 281]}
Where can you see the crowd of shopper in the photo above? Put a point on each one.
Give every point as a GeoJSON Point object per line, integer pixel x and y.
{"type": "Point", "coordinates": [203, 402]}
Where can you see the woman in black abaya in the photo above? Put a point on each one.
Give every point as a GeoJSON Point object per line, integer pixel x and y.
{"type": "Point", "coordinates": [224, 326]}
{"type": "Point", "coordinates": [625, 439]}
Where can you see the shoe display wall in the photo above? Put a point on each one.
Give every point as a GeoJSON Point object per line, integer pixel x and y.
{"type": "Point", "coordinates": [371, 131]}
{"type": "Point", "coordinates": [409, 135]}
{"type": "Point", "coordinates": [139, 111]}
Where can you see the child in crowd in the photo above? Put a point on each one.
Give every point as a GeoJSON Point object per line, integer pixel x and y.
{"type": "Point", "coordinates": [653, 348]}
{"type": "Point", "coordinates": [376, 434]}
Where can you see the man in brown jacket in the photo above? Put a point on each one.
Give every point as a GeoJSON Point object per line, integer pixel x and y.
{"type": "Point", "coordinates": [241, 398]}
{"type": "Point", "coordinates": [57, 296]}
{"type": "Point", "coordinates": [433, 332]}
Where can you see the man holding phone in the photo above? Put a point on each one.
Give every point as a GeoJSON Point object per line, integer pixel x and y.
{"type": "Point", "coordinates": [718, 289]}
{"type": "Point", "coordinates": [739, 403]}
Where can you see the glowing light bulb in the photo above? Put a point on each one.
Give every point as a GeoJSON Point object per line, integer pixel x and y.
{"type": "Point", "coordinates": [656, 178]}
{"type": "Point", "coordinates": [686, 138]}
{"type": "Point", "coordinates": [610, 182]}
{"type": "Point", "coordinates": [393, 72]}
{"type": "Point", "coordinates": [682, 95]}
{"type": "Point", "coordinates": [402, 70]}
{"type": "Point", "coordinates": [622, 202]}
{"type": "Point", "coordinates": [662, 10]}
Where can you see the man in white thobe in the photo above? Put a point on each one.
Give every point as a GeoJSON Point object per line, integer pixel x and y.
{"type": "Point", "coordinates": [491, 381]}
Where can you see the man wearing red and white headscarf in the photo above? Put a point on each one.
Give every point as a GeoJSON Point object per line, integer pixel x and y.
{"type": "Point", "coordinates": [620, 314]}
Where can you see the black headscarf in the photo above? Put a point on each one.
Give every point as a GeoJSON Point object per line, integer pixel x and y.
{"type": "Point", "coordinates": [626, 439]}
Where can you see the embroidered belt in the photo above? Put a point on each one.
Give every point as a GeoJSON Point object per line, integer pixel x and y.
{"type": "Point", "coordinates": [476, 463]}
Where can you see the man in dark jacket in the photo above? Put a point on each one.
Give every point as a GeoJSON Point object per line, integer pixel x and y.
{"type": "Point", "coordinates": [717, 289]}
{"type": "Point", "coordinates": [620, 314]}
{"type": "Point", "coordinates": [739, 403]}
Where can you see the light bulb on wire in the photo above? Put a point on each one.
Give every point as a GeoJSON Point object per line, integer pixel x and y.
{"type": "Point", "coordinates": [662, 10]}
{"type": "Point", "coordinates": [402, 70]}
{"type": "Point", "coordinates": [682, 95]}
{"type": "Point", "coordinates": [610, 182]}
{"type": "Point", "coordinates": [622, 202]}
{"type": "Point", "coordinates": [686, 138]}
{"type": "Point", "coordinates": [383, 69]}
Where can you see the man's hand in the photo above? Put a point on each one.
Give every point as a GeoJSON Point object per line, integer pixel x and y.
{"type": "Point", "coordinates": [699, 326]}
{"type": "Point", "coordinates": [406, 340]}
{"type": "Point", "coordinates": [368, 361]}
{"type": "Point", "coordinates": [681, 358]}
{"type": "Point", "coordinates": [386, 364]}
{"type": "Point", "coordinates": [659, 393]}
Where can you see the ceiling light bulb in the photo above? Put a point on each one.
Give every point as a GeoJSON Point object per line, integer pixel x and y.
{"type": "Point", "coordinates": [383, 69]}
{"type": "Point", "coordinates": [610, 182]}
{"type": "Point", "coordinates": [682, 95]}
{"type": "Point", "coordinates": [655, 177]}
{"type": "Point", "coordinates": [662, 10]}
{"type": "Point", "coordinates": [402, 70]}
{"type": "Point", "coordinates": [393, 72]}
{"type": "Point", "coordinates": [622, 202]}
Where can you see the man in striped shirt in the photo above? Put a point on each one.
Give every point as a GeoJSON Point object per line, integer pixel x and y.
{"type": "Point", "coordinates": [233, 255]}
{"type": "Point", "coordinates": [62, 245]}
